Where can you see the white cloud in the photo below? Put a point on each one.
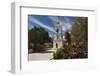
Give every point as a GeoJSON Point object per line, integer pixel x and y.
{"type": "Point", "coordinates": [66, 26]}
{"type": "Point", "coordinates": [30, 26]}
{"type": "Point", "coordinates": [32, 19]}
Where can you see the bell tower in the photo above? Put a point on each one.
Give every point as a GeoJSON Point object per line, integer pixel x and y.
{"type": "Point", "coordinates": [58, 37]}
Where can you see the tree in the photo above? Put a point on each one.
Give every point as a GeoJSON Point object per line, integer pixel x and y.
{"type": "Point", "coordinates": [68, 37]}
{"type": "Point", "coordinates": [79, 34]}
{"type": "Point", "coordinates": [38, 36]}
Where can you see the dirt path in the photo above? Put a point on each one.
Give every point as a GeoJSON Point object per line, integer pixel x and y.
{"type": "Point", "coordinates": [47, 55]}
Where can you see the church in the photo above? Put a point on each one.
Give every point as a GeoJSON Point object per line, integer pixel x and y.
{"type": "Point", "coordinates": [58, 37]}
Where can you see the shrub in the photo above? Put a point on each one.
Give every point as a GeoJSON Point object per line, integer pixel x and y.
{"type": "Point", "coordinates": [62, 53]}
{"type": "Point", "coordinates": [58, 54]}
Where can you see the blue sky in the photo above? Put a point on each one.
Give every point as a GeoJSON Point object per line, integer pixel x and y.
{"type": "Point", "coordinates": [48, 22]}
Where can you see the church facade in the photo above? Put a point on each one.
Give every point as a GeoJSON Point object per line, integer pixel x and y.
{"type": "Point", "coordinates": [58, 37]}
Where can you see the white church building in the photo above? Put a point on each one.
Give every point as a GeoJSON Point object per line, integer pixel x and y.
{"type": "Point", "coordinates": [58, 37]}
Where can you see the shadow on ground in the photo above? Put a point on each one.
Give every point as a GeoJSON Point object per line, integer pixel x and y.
{"type": "Point", "coordinates": [46, 50]}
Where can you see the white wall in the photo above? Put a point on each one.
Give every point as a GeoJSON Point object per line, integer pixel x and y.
{"type": "Point", "coordinates": [5, 33]}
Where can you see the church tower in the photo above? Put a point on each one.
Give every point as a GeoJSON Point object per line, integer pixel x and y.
{"type": "Point", "coordinates": [58, 37]}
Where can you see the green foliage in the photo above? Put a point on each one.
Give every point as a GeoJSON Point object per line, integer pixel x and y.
{"type": "Point", "coordinates": [80, 29]}
{"type": "Point", "coordinates": [37, 37]}
{"type": "Point", "coordinates": [58, 54]}
{"type": "Point", "coordinates": [62, 53]}
{"type": "Point", "coordinates": [67, 37]}
{"type": "Point", "coordinates": [79, 38]}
